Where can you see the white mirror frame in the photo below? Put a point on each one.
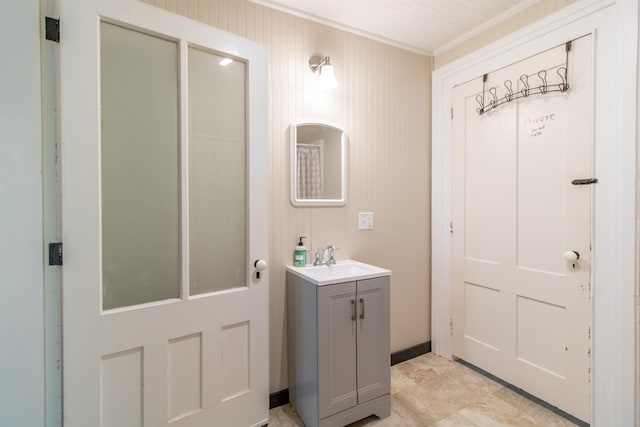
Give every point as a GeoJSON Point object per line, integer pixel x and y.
{"type": "Point", "coordinates": [293, 131]}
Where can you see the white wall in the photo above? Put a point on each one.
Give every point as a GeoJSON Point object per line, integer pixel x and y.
{"type": "Point", "coordinates": [21, 222]}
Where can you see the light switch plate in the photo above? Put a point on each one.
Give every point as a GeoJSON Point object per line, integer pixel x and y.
{"type": "Point", "coordinates": [365, 220]}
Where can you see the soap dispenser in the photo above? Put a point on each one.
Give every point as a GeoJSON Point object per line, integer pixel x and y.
{"type": "Point", "coordinates": [300, 254]}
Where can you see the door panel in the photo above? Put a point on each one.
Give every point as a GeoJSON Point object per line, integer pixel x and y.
{"type": "Point", "coordinates": [373, 339]}
{"type": "Point", "coordinates": [160, 348]}
{"type": "Point", "coordinates": [185, 366]}
{"type": "Point", "coordinates": [337, 305]}
{"type": "Point", "coordinates": [121, 388]}
{"type": "Point", "coordinates": [541, 201]}
{"type": "Point", "coordinates": [541, 331]}
{"type": "Point", "coordinates": [480, 323]}
{"type": "Point", "coordinates": [520, 310]}
{"type": "Point", "coordinates": [484, 241]}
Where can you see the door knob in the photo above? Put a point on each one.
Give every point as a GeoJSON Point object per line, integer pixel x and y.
{"type": "Point", "coordinates": [571, 256]}
{"type": "Point", "coordinates": [260, 265]}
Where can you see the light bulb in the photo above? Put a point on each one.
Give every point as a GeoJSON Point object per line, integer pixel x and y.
{"type": "Point", "coordinates": [327, 77]}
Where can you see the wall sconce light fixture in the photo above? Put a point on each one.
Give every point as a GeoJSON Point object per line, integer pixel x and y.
{"type": "Point", "coordinates": [323, 67]}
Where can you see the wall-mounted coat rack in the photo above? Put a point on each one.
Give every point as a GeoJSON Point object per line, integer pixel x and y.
{"type": "Point", "coordinates": [542, 89]}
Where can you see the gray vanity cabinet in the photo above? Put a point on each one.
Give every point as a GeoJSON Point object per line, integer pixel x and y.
{"type": "Point", "coordinates": [338, 346]}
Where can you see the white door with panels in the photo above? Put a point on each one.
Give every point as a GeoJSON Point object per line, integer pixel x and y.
{"type": "Point", "coordinates": [521, 242]}
{"type": "Point", "coordinates": [164, 216]}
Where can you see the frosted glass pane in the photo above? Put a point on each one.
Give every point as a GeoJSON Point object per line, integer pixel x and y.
{"type": "Point", "coordinates": [140, 197]}
{"type": "Point", "coordinates": [217, 173]}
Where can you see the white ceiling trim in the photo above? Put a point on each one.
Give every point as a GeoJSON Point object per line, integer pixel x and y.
{"type": "Point", "coordinates": [353, 30]}
{"type": "Point", "coordinates": [488, 24]}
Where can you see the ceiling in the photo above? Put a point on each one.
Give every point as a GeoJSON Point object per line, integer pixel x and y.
{"type": "Point", "coordinates": [424, 26]}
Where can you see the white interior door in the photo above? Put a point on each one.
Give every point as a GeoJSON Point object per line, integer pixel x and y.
{"type": "Point", "coordinates": [520, 310]}
{"type": "Point", "coordinates": [164, 199]}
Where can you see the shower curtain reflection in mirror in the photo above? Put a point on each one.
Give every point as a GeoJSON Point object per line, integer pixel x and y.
{"type": "Point", "coordinates": [309, 170]}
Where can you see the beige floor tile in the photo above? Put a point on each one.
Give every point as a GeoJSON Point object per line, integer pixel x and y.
{"type": "Point", "coordinates": [530, 411]}
{"type": "Point", "coordinates": [284, 416]}
{"type": "Point", "coordinates": [432, 391]}
{"type": "Point", "coordinates": [456, 420]}
{"type": "Point", "coordinates": [448, 393]}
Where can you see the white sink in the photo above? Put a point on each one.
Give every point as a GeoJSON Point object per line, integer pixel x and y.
{"type": "Point", "coordinates": [343, 271]}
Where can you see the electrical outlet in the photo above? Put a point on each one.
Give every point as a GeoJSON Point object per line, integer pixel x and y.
{"type": "Point", "coordinates": [365, 220]}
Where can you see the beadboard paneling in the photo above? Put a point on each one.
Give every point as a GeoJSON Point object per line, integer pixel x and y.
{"type": "Point", "coordinates": [531, 14]}
{"type": "Point", "coordinates": [383, 103]}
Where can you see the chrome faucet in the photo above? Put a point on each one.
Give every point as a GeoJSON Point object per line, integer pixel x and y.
{"type": "Point", "coordinates": [332, 252]}
{"type": "Point", "coordinates": [326, 256]}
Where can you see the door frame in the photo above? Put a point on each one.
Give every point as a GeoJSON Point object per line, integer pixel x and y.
{"type": "Point", "coordinates": [614, 26]}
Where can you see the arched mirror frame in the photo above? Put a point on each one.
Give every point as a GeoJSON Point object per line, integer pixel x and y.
{"type": "Point", "coordinates": [340, 201]}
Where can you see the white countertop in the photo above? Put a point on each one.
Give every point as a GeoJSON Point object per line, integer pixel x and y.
{"type": "Point", "coordinates": [342, 271]}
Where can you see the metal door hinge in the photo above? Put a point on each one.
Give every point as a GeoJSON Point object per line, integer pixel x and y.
{"type": "Point", "coordinates": [451, 227]}
{"type": "Point", "coordinates": [52, 29]}
{"type": "Point", "coordinates": [451, 113]}
{"type": "Point", "coordinates": [451, 326]}
{"type": "Point", "coordinates": [55, 253]}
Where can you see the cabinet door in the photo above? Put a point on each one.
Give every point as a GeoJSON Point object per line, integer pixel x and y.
{"type": "Point", "coordinates": [373, 338]}
{"type": "Point", "coordinates": [337, 348]}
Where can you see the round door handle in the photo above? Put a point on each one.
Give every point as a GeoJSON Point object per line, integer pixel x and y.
{"type": "Point", "coordinates": [571, 256]}
{"type": "Point", "coordinates": [260, 264]}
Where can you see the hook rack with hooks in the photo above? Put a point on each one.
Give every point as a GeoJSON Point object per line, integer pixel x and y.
{"type": "Point", "coordinates": [490, 100]}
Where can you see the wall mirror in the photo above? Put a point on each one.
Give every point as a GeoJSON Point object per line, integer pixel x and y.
{"type": "Point", "coordinates": [318, 164]}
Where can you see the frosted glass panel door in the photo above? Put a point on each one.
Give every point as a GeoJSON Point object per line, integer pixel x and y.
{"type": "Point", "coordinates": [217, 172]}
{"type": "Point", "coordinates": [160, 210]}
{"type": "Point", "coordinates": [140, 198]}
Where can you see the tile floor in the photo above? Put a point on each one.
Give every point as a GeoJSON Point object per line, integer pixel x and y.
{"type": "Point", "coordinates": [432, 391]}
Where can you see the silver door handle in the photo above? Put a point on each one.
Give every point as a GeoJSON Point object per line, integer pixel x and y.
{"type": "Point", "coordinates": [362, 308]}
{"type": "Point", "coordinates": [353, 310]}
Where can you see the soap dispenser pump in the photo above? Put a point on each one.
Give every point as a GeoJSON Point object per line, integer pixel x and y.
{"type": "Point", "coordinates": [300, 254]}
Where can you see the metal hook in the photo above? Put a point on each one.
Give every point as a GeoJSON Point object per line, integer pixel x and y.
{"type": "Point", "coordinates": [525, 81]}
{"type": "Point", "coordinates": [494, 94]}
{"type": "Point", "coordinates": [480, 100]}
{"type": "Point", "coordinates": [543, 76]}
{"type": "Point", "coordinates": [525, 90]}
{"type": "Point", "coordinates": [509, 96]}
{"type": "Point", "coordinates": [562, 72]}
